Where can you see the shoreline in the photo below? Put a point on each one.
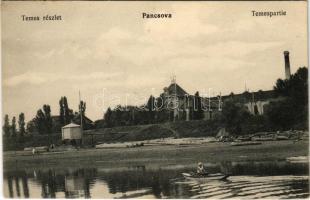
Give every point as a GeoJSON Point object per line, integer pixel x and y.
{"type": "Point", "coordinates": [158, 155]}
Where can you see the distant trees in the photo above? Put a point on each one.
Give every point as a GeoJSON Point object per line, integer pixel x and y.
{"type": "Point", "coordinates": [295, 88]}
{"type": "Point", "coordinates": [13, 127]}
{"type": "Point", "coordinates": [40, 122]}
{"type": "Point", "coordinates": [11, 130]}
{"type": "Point", "coordinates": [281, 115]}
{"type": "Point", "coordinates": [162, 113]}
{"type": "Point", "coordinates": [129, 115]}
{"type": "Point", "coordinates": [48, 118]}
{"type": "Point", "coordinates": [247, 95]}
{"type": "Point", "coordinates": [82, 107]}
{"type": "Point", "coordinates": [156, 110]}
{"type": "Point", "coordinates": [43, 120]}
{"type": "Point", "coordinates": [292, 112]}
{"type": "Point", "coordinates": [108, 118]}
{"type": "Point", "coordinates": [151, 109]}
{"type": "Point", "coordinates": [21, 124]}
{"type": "Point", "coordinates": [234, 115]}
{"type": "Point", "coordinates": [6, 126]}
{"type": "Point", "coordinates": [65, 113]}
{"type": "Point", "coordinates": [31, 126]}
{"type": "Point", "coordinates": [45, 123]}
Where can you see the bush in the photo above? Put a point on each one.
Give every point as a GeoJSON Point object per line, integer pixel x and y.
{"type": "Point", "coordinates": [30, 140]}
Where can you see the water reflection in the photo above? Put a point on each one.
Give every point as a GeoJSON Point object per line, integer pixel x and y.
{"type": "Point", "coordinates": [14, 182]}
{"type": "Point", "coordinates": [146, 182]}
{"type": "Point", "coordinates": [77, 183]}
{"type": "Point", "coordinates": [153, 181]}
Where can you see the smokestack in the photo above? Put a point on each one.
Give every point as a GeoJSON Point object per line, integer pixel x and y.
{"type": "Point", "coordinates": [287, 65]}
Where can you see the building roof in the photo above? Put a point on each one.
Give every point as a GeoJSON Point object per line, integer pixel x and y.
{"type": "Point", "coordinates": [174, 88]}
{"type": "Point", "coordinates": [77, 119]}
{"type": "Point", "coordinates": [250, 96]}
{"type": "Point", "coordinates": [71, 125]}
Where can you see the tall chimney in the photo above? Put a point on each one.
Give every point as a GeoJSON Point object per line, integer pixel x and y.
{"type": "Point", "coordinates": [287, 64]}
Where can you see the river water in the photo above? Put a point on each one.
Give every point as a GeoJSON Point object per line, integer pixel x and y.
{"type": "Point", "coordinates": [249, 180]}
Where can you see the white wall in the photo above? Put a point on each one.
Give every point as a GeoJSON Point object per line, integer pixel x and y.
{"type": "Point", "coordinates": [71, 133]}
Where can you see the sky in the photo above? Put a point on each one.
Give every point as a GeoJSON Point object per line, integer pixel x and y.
{"type": "Point", "coordinates": [109, 53]}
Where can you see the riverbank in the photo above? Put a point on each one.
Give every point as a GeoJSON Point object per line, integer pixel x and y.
{"type": "Point", "coordinates": [158, 154]}
{"type": "Point", "coordinates": [180, 129]}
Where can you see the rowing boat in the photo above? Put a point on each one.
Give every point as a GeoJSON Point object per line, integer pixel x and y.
{"type": "Point", "coordinates": [195, 176]}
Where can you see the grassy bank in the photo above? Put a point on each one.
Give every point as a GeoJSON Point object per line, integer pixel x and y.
{"type": "Point", "coordinates": [195, 128]}
{"type": "Point", "coordinates": [168, 154]}
{"type": "Point", "coordinates": [179, 129]}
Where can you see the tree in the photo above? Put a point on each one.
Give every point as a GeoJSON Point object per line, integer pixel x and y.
{"type": "Point", "coordinates": [282, 115]}
{"type": "Point", "coordinates": [61, 112]}
{"type": "Point", "coordinates": [13, 127]}
{"type": "Point", "coordinates": [40, 122]}
{"type": "Point", "coordinates": [65, 113]}
{"type": "Point", "coordinates": [247, 95]}
{"type": "Point", "coordinates": [31, 126]}
{"type": "Point", "coordinates": [162, 114]}
{"type": "Point", "coordinates": [296, 87]}
{"type": "Point", "coordinates": [6, 126]}
{"type": "Point", "coordinates": [232, 95]}
{"type": "Point", "coordinates": [21, 124]}
{"type": "Point", "coordinates": [282, 87]}
{"type": "Point", "coordinates": [116, 115]}
{"type": "Point", "coordinates": [71, 114]}
{"type": "Point", "coordinates": [151, 109]}
{"type": "Point", "coordinates": [293, 110]}
{"type": "Point", "coordinates": [234, 115]}
{"type": "Point", "coordinates": [47, 119]}
{"type": "Point", "coordinates": [108, 118]}
{"type": "Point", "coordinates": [44, 121]}
{"type": "Point", "coordinates": [82, 107]}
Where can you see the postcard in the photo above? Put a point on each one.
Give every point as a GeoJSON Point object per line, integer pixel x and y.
{"type": "Point", "coordinates": [155, 99]}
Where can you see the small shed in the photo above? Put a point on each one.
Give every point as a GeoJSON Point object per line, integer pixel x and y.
{"type": "Point", "coordinates": [71, 132]}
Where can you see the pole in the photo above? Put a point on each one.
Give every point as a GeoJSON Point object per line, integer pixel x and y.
{"type": "Point", "coordinates": [175, 98]}
{"type": "Point", "coordinates": [81, 117]}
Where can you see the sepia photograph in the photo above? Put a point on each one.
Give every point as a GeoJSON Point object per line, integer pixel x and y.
{"type": "Point", "coordinates": [155, 100]}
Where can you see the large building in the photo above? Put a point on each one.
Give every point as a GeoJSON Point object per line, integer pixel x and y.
{"type": "Point", "coordinates": [180, 105]}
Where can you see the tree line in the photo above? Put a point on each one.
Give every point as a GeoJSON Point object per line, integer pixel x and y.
{"type": "Point", "coordinates": [156, 110]}
{"type": "Point", "coordinates": [10, 130]}
{"type": "Point", "coordinates": [42, 122]}
{"type": "Point", "coordinates": [291, 112]}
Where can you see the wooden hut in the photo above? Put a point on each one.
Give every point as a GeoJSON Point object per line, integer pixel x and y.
{"type": "Point", "coordinates": [72, 133]}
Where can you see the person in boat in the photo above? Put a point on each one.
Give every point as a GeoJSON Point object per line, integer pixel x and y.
{"type": "Point", "coordinates": [201, 169]}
